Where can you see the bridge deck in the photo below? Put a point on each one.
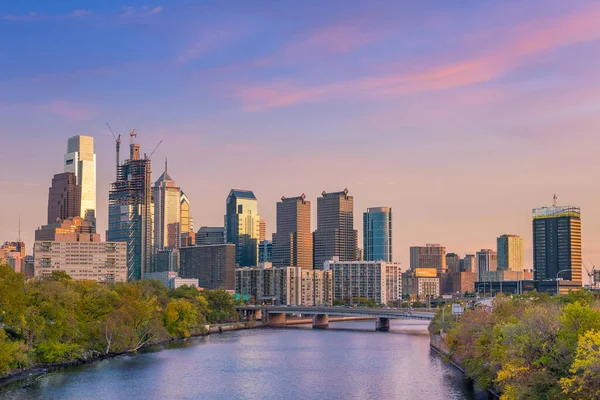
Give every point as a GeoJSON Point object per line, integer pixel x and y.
{"type": "Point", "coordinates": [343, 311]}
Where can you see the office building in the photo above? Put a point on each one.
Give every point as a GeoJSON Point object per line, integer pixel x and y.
{"type": "Point", "coordinates": [458, 282]}
{"type": "Point", "coordinates": [98, 261]}
{"type": "Point", "coordinates": [210, 235]}
{"type": "Point", "coordinates": [16, 247]}
{"type": "Point", "coordinates": [428, 256]}
{"type": "Point", "coordinates": [166, 260]}
{"type": "Point", "coordinates": [213, 265]}
{"type": "Point", "coordinates": [262, 235]}
{"type": "Point", "coordinates": [557, 243]}
{"type": "Point", "coordinates": [487, 260]}
{"type": "Point", "coordinates": [453, 262]}
{"type": "Point", "coordinates": [505, 275]}
{"type": "Point", "coordinates": [335, 235]}
{"type": "Point", "coordinates": [468, 263]}
{"type": "Point", "coordinates": [265, 251]}
{"type": "Point", "coordinates": [377, 234]}
{"type": "Point", "coordinates": [167, 212]}
{"type": "Point", "coordinates": [284, 285]}
{"type": "Point", "coordinates": [376, 280]}
{"type": "Point", "coordinates": [74, 229]}
{"type": "Point", "coordinates": [64, 197]}
{"type": "Point", "coordinates": [81, 161]}
{"type": "Point", "coordinates": [130, 211]}
{"type": "Point", "coordinates": [293, 241]}
{"type": "Point", "coordinates": [242, 226]}
{"type": "Point", "coordinates": [510, 253]}
{"type": "Point", "coordinates": [188, 236]}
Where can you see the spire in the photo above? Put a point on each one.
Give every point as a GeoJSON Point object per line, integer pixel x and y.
{"type": "Point", "coordinates": [165, 164]}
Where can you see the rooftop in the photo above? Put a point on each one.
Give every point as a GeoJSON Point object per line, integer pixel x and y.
{"type": "Point", "coordinates": [242, 194]}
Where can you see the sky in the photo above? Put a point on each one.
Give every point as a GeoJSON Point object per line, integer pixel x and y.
{"type": "Point", "coordinates": [461, 116]}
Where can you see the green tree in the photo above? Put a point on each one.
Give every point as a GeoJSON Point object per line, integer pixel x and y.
{"type": "Point", "coordinates": [13, 354]}
{"type": "Point", "coordinates": [180, 318]}
{"type": "Point", "coordinates": [584, 382]}
{"type": "Point", "coordinates": [12, 298]}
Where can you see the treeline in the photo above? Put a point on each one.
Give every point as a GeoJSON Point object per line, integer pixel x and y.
{"type": "Point", "coordinates": [57, 319]}
{"type": "Point", "coordinates": [530, 347]}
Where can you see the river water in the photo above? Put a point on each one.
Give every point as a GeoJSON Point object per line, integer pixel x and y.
{"type": "Point", "coordinates": [348, 361]}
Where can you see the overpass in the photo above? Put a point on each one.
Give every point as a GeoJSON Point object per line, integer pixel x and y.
{"type": "Point", "coordinates": [275, 315]}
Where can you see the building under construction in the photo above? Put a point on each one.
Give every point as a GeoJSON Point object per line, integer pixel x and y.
{"type": "Point", "coordinates": [130, 209]}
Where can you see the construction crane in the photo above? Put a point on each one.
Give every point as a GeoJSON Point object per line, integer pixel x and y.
{"type": "Point", "coordinates": [132, 134]}
{"type": "Point", "coordinates": [153, 151]}
{"type": "Point", "coordinates": [590, 273]}
{"type": "Point", "coordinates": [118, 144]}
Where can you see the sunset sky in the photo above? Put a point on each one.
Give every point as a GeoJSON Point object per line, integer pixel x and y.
{"type": "Point", "coordinates": [461, 117]}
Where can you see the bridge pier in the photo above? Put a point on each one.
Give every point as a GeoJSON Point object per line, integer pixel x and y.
{"type": "Point", "coordinates": [320, 321]}
{"type": "Point", "coordinates": [257, 315]}
{"type": "Point", "coordinates": [382, 324]}
{"type": "Point", "coordinates": [275, 319]}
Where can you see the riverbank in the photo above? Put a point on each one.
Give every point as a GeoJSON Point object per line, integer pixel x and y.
{"type": "Point", "coordinates": [28, 375]}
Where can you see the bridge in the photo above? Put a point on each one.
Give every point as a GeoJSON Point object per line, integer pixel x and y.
{"type": "Point", "coordinates": [275, 315]}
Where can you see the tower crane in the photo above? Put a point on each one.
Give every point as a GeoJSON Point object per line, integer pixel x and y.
{"type": "Point", "coordinates": [118, 145]}
{"type": "Point", "coordinates": [590, 273]}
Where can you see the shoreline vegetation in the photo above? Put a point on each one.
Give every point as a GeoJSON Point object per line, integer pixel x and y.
{"type": "Point", "coordinates": [526, 347]}
{"type": "Point", "coordinates": [46, 324]}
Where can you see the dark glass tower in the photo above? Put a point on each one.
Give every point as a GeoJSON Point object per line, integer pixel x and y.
{"type": "Point", "coordinates": [377, 234]}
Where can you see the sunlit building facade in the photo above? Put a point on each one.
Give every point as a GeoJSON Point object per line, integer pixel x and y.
{"type": "Point", "coordinates": [487, 260]}
{"type": "Point", "coordinates": [242, 226]}
{"type": "Point", "coordinates": [293, 241]}
{"type": "Point", "coordinates": [81, 161]}
{"type": "Point", "coordinates": [428, 256]}
{"type": "Point", "coordinates": [167, 212]}
{"type": "Point", "coordinates": [510, 253]}
{"type": "Point", "coordinates": [188, 236]}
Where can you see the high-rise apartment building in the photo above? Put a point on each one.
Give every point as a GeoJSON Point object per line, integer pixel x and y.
{"type": "Point", "coordinates": [377, 234]}
{"type": "Point", "coordinates": [69, 230]}
{"type": "Point", "coordinates": [64, 197]}
{"type": "Point", "coordinates": [468, 263]}
{"type": "Point", "coordinates": [487, 260]}
{"type": "Point", "coordinates": [262, 235]}
{"type": "Point", "coordinates": [167, 213]}
{"type": "Point", "coordinates": [293, 241]}
{"type": "Point", "coordinates": [188, 236]}
{"type": "Point", "coordinates": [210, 235]}
{"type": "Point", "coordinates": [453, 262]}
{"type": "Point", "coordinates": [81, 161]}
{"type": "Point", "coordinates": [335, 235]}
{"type": "Point", "coordinates": [212, 265]}
{"type": "Point", "coordinates": [130, 210]}
{"type": "Point", "coordinates": [242, 226]}
{"type": "Point", "coordinates": [557, 243]}
{"type": "Point", "coordinates": [510, 253]}
{"type": "Point", "coordinates": [428, 256]}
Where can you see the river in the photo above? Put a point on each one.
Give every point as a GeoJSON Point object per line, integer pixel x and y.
{"type": "Point", "coordinates": [347, 361]}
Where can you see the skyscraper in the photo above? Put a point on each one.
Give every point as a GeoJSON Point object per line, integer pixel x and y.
{"type": "Point", "coordinates": [293, 241]}
{"type": "Point", "coordinates": [81, 161]}
{"type": "Point", "coordinates": [335, 235]}
{"type": "Point", "coordinates": [377, 234]}
{"type": "Point", "coordinates": [64, 197]}
{"type": "Point", "coordinates": [188, 237]}
{"type": "Point", "coordinates": [210, 235]}
{"type": "Point", "coordinates": [263, 229]}
{"type": "Point", "coordinates": [428, 256]}
{"type": "Point", "coordinates": [130, 211]}
{"type": "Point", "coordinates": [453, 262]}
{"type": "Point", "coordinates": [510, 253]}
{"type": "Point", "coordinates": [167, 213]}
{"type": "Point", "coordinates": [487, 260]}
{"type": "Point", "coordinates": [468, 263]}
{"type": "Point", "coordinates": [557, 243]}
{"type": "Point", "coordinates": [242, 226]}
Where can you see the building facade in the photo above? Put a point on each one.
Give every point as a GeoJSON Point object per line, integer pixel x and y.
{"type": "Point", "coordinates": [242, 226]}
{"type": "Point", "coordinates": [487, 260]}
{"type": "Point", "coordinates": [188, 236]}
{"type": "Point", "coordinates": [104, 262]}
{"type": "Point", "coordinates": [130, 212]}
{"type": "Point", "coordinates": [212, 265]}
{"type": "Point", "coordinates": [428, 256]}
{"type": "Point", "coordinates": [293, 241]}
{"type": "Point", "coordinates": [453, 262]}
{"type": "Point", "coordinates": [265, 251]}
{"type": "Point", "coordinates": [557, 243]}
{"type": "Point", "coordinates": [510, 253]}
{"type": "Point", "coordinates": [262, 229]}
{"type": "Point", "coordinates": [171, 280]}
{"type": "Point", "coordinates": [64, 197]}
{"type": "Point", "coordinates": [71, 230]}
{"type": "Point", "coordinates": [167, 213]}
{"type": "Point", "coordinates": [81, 161]}
{"type": "Point", "coordinates": [166, 260]}
{"type": "Point", "coordinates": [210, 235]}
{"type": "Point", "coordinates": [335, 235]}
{"type": "Point", "coordinates": [377, 234]}
{"type": "Point", "coordinates": [376, 280]}
{"type": "Point", "coordinates": [468, 263]}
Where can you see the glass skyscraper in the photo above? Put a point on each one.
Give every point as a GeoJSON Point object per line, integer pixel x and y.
{"type": "Point", "coordinates": [167, 213]}
{"type": "Point", "coordinates": [510, 253]}
{"type": "Point", "coordinates": [81, 160]}
{"type": "Point", "coordinates": [377, 234]}
{"type": "Point", "coordinates": [242, 226]}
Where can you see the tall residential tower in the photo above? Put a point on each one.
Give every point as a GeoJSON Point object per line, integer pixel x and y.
{"type": "Point", "coordinates": [377, 234]}
{"type": "Point", "coordinates": [293, 242]}
{"type": "Point", "coordinates": [510, 253]}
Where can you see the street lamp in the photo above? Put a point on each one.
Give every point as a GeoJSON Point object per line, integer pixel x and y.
{"type": "Point", "coordinates": [560, 272]}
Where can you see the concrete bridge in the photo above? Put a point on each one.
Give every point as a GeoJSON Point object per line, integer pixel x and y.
{"type": "Point", "coordinates": [275, 315]}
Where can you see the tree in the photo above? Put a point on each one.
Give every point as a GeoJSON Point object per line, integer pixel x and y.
{"type": "Point", "coordinates": [12, 297]}
{"type": "Point", "coordinates": [180, 317]}
{"type": "Point", "coordinates": [583, 382]}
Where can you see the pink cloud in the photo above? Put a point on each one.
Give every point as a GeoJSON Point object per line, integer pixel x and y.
{"type": "Point", "coordinates": [129, 11]}
{"type": "Point", "coordinates": [69, 110]}
{"type": "Point", "coordinates": [524, 42]}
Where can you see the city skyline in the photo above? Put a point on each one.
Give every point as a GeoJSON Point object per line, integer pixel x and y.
{"type": "Point", "coordinates": [527, 105]}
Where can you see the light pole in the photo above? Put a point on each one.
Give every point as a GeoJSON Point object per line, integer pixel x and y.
{"type": "Point", "coordinates": [560, 272]}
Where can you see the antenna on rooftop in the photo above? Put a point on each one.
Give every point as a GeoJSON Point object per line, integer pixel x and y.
{"type": "Point", "coordinates": [554, 200]}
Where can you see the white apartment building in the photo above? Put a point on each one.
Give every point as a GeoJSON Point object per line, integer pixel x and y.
{"type": "Point", "coordinates": [97, 261]}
